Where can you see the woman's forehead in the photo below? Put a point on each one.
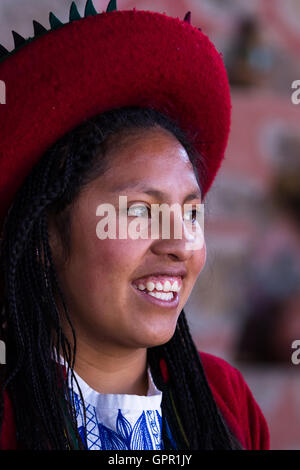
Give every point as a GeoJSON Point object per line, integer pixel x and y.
{"type": "Point", "coordinates": [162, 183]}
{"type": "Point", "coordinates": [152, 150]}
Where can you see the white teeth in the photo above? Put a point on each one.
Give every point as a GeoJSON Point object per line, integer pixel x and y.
{"type": "Point", "coordinates": [167, 296]}
{"type": "Point", "coordinates": [150, 286]}
{"type": "Point", "coordinates": [162, 295]}
{"type": "Point", "coordinates": [175, 287]}
{"type": "Point", "coordinates": [167, 286]}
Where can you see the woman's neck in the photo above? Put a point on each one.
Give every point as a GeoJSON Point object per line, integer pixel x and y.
{"type": "Point", "coordinates": [111, 371]}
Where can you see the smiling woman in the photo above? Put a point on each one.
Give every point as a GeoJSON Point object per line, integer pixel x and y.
{"type": "Point", "coordinates": [98, 276]}
{"type": "Point", "coordinates": [98, 350]}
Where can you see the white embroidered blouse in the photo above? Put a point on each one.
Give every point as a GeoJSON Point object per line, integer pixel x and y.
{"type": "Point", "coordinates": [120, 421]}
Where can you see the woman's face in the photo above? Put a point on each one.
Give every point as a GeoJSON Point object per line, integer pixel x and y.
{"type": "Point", "coordinates": [101, 277]}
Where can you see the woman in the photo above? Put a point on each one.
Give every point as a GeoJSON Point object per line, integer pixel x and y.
{"type": "Point", "coordinates": [131, 104]}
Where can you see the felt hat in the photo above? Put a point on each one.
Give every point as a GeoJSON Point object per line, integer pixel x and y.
{"type": "Point", "coordinates": [61, 77]}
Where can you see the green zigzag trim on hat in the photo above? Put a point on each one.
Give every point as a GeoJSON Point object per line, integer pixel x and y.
{"type": "Point", "coordinates": [55, 23]}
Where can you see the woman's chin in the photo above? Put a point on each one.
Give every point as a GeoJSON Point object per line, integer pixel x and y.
{"type": "Point", "coordinates": [150, 338]}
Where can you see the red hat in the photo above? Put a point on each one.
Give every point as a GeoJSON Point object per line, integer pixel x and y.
{"type": "Point", "coordinates": [61, 77]}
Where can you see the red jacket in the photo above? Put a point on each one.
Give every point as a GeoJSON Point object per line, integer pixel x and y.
{"type": "Point", "coordinates": [232, 395]}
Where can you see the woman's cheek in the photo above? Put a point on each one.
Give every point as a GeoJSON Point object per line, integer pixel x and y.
{"type": "Point", "coordinates": [199, 260]}
{"type": "Point", "coordinates": [203, 254]}
{"type": "Point", "coordinates": [123, 252]}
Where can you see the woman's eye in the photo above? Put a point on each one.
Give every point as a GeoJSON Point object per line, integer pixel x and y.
{"type": "Point", "coordinates": [139, 211]}
{"type": "Point", "coordinates": [192, 216]}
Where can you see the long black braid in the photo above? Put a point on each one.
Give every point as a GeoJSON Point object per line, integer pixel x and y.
{"type": "Point", "coordinates": [44, 409]}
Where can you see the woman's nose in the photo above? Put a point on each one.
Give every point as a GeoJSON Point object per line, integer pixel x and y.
{"type": "Point", "coordinates": [181, 240]}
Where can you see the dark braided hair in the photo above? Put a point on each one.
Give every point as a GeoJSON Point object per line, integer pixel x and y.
{"type": "Point", "coordinates": [44, 408]}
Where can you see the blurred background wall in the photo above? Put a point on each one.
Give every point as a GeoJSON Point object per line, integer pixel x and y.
{"type": "Point", "coordinates": [245, 306]}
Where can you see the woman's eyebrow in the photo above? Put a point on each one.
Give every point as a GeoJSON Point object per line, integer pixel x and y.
{"type": "Point", "coordinates": [141, 187]}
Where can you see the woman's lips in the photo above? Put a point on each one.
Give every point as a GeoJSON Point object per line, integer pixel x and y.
{"type": "Point", "coordinates": [173, 303]}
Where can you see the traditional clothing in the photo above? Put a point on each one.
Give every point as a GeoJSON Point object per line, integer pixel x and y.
{"type": "Point", "coordinates": [232, 395]}
{"type": "Point", "coordinates": [120, 421]}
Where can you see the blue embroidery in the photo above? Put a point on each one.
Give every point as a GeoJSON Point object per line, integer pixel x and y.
{"type": "Point", "coordinates": [124, 428]}
{"type": "Point", "coordinates": [141, 438]}
{"type": "Point", "coordinates": [144, 435]}
{"type": "Point", "coordinates": [156, 430]}
{"type": "Point", "coordinates": [110, 440]}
